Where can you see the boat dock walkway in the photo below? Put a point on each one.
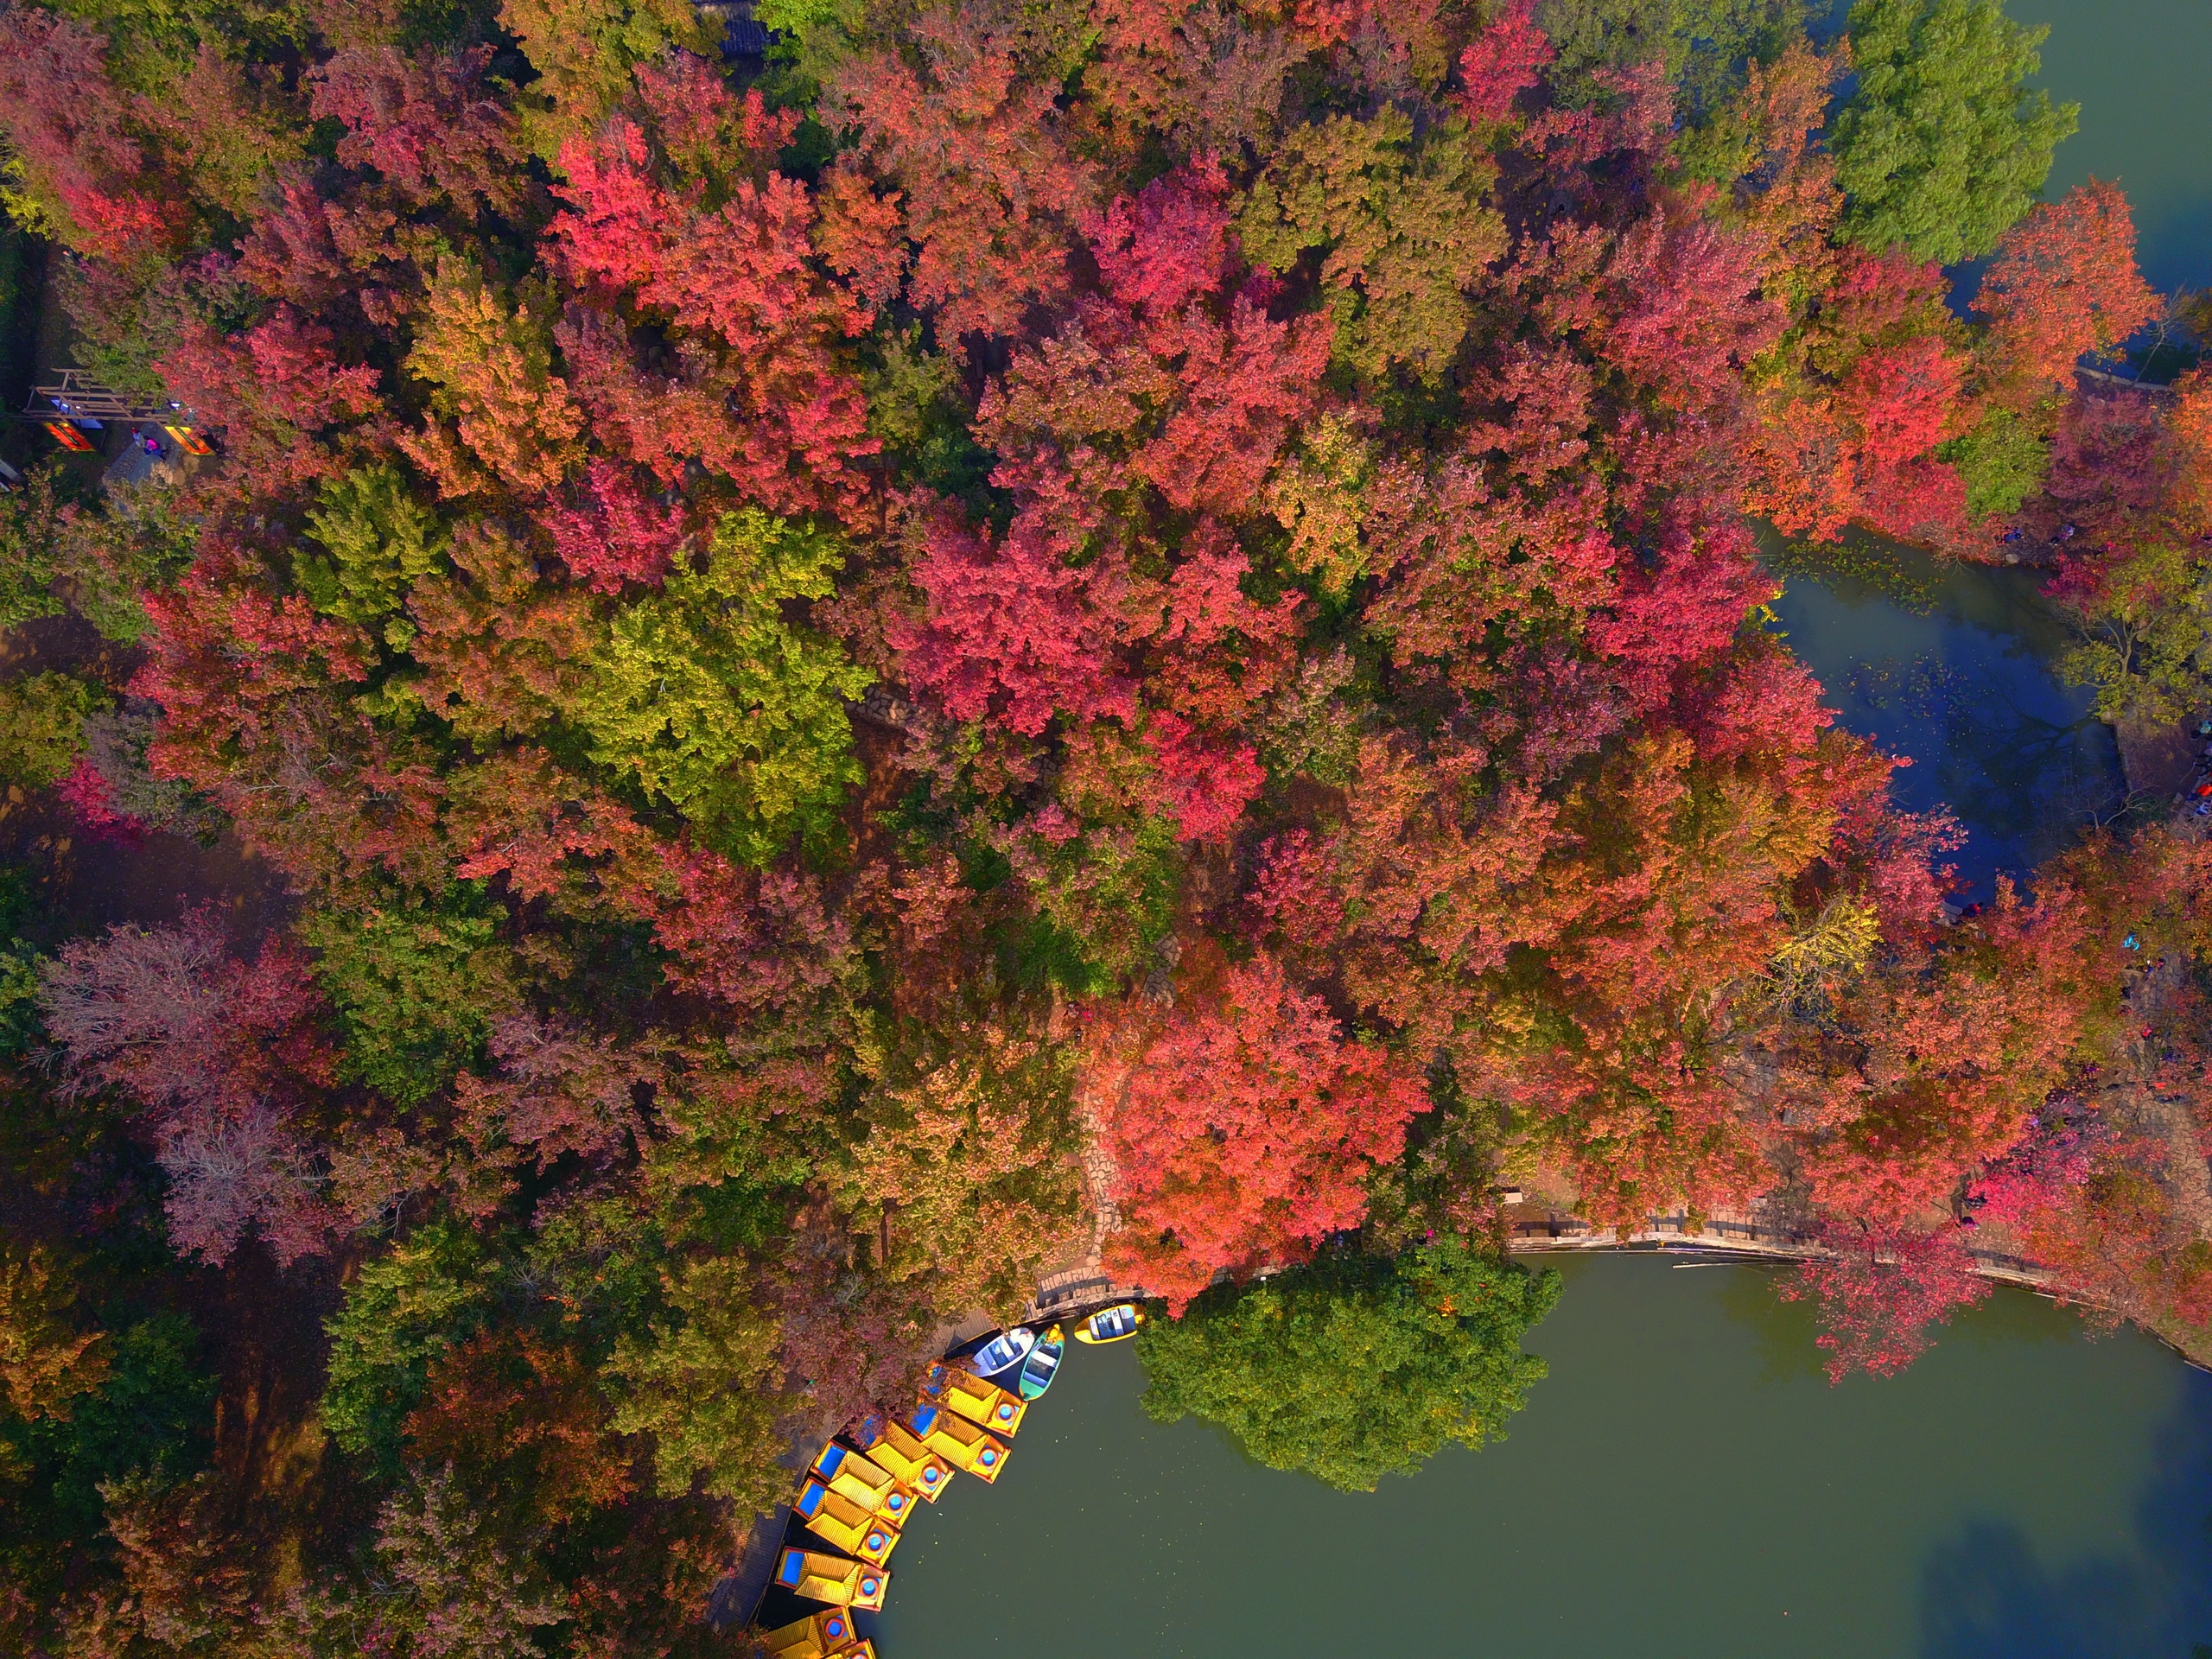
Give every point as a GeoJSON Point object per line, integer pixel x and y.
{"type": "Point", "coordinates": [1745, 1232]}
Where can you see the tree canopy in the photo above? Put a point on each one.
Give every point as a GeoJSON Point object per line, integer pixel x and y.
{"type": "Point", "coordinates": [1350, 1368]}
{"type": "Point", "coordinates": [1942, 146]}
{"type": "Point", "coordinates": [756, 699]}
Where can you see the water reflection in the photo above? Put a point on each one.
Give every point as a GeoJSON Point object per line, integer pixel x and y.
{"type": "Point", "coordinates": [1952, 665]}
{"type": "Point", "coordinates": [1989, 1593]}
{"type": "Point", "coordinates": [1784, 1333]}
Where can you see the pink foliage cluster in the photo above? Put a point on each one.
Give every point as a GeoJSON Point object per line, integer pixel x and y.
{"type": "Point", "coordinates": [213, 1051]}
{"type": "Point", "coordinates": [616, 536]}
{"type": "Point", "coordinates": [430, 124]}
{"type": "Point", "coordinates": [754, 327]}
{"type": "Point", "coordinates": [1205, 786]}
{"type": "Point", "coordinates": [1014, 630]}
{"type": "Point", "coordinates": [1880, 1289]}
{"type": "Point", "coordinates": [1502, 63]}
{"type": "Point", "coordinates": [92, 804]}
{"type": "Point", "coordinates": [2049, 1167]}
{"type": "Point", "coordinates": [73, 137]}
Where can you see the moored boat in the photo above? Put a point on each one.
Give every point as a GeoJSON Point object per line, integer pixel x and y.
{"type": "Point", "coordinates": [862, 1480]}
{"type": "Point", "coordinates": [1043, 1364]}
{"type": "Point", "coordinates": [1111, 1324]}
{"type": "Point", "coordinates": [894, 1446]}
{"type": "Point", "coordinates": [820, 1577]}
{"type": "Point", "coordinates": [1003, 1352]}
{"type": "Point", "coordinates": [835, 1519]}
{"type": "Point", "coordinates": [959, 1442]}
{"type": "Point", "coordinates": [829, 1634]}
{"type": "Point", "coordinates": [975, 1400]}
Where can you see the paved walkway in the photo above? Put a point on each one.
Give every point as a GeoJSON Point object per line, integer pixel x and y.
{"type": "Point", "coordinates": [1748, 1232]}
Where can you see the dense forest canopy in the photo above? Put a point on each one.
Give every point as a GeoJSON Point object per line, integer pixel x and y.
{"type": "Point", "coordinates": [799, 689]}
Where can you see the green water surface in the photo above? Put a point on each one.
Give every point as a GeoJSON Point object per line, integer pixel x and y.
{"type": "Point", "coordinates": [1686, 1481]}
{"type": "Point", "coordinates": [2139, 68]}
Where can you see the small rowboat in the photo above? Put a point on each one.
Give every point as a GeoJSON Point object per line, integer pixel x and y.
{"type": "Point", "coordinates": [1004, 1352]}
{"type": "Point", "coordinates": [1043, 1364]}
{"type": "Point", "coordinates": [1111, 1324]}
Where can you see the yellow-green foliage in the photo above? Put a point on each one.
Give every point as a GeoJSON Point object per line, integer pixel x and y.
{"type": "Point", "coordinates": [1942, 146]}
{"type": "Point", "coordinates": [1406, 225]}
{"type": "Point", "coordinates": [706, 1389]}
{"type": "Point", "coordinates": [1831, 947]}
{"type": "Point", "coordinates": [714, 704]}
{"type": "Point", "coordinates": [379, 541]}
{"type": "Point", "coordinates": [43, 727]}
{"type": "Point", "coordinates": [416, 991]}
{"type": "Point", "coordinates": [966, 1143]}
{"type": "Point", "coordinates": [45, 1361]}
{"type": "Point", "coordinates": [1317, 495]}
{"type": "Point", "coordinates": [583, 51]}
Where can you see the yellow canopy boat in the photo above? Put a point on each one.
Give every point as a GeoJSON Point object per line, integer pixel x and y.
{"type": "Point", "coordinates": [958, 1441]}
{"type": "Point", "coordinates": [833, 1579]}
{"type": "Point", "coordinates": [974, 1399]}
{"type": "Point", "coordinates": [1111, 1324]}
{"type": "Point", "coordinates": [829, 1634]}
{"type": "Point", "coordinates": [851, 1475]}
{"type": "Point", "coordinates": [841, 1522]}
{"type": "Point", "coordinates": [897, 1448]}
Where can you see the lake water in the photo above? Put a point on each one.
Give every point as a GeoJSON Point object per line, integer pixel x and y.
{"type": "Point", "coordinates": [1952, 665]}
{"type": "Point", "coordinates": [1686, 1481]}
{"type": "Point", "coordinates": [2139, 69]}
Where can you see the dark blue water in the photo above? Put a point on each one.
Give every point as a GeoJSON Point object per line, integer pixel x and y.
{"type": "Point", "coordinates": [1952, 665]}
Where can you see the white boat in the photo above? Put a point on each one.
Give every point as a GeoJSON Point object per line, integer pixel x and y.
{"type": "Point", "coordinates": [1003, 1352]}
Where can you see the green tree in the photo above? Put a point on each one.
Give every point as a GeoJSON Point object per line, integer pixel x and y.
{"type": "Point", "coordinates": [1406, 224]}
{"type": "Point", "coordinates": [717, 704]}
{"type": "Point", "coordinates": [583, 51]}
{"type": "Point", "coordinates": [707, 1388]}
{"type": "Point", "coordinates": [2143, 638]}
{"type": "Point", "coordinates": [111, 560]}
{"type": "Point", "coordinates": [29, 524]}
{"type": "Point", "coordinates": [2002, 461]}
{"type": "Point", "coordinates": [378, 541]}
{"type": "Point", "coordinates": [417, 990]}
{"type": "Point", "coordinates": [1353, 1368]}
{"type": "Point", "coordinates": [1942, 148]}
{"type": "Point", "coordinates": [43, 727]}
{"type": "Point", "coordinates": [1705, 44]}
{"type": "Point", "coordinates": [915, 409]}
{"type": "Point", "coordinates": [153, 1414]}
{"type": "Point", "coordinates": [22, 941]}
{"type": "Point", "coordinates": [432, 1291]}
